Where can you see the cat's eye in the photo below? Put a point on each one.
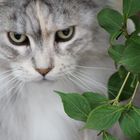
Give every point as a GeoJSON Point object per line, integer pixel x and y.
{"type": "Point", "coordinates": [18, 39]}
{"type": "Point", "coordinates": [65, 35]}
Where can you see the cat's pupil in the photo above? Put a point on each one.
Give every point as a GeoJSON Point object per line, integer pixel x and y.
{"type": "Point", "coordinates": [17, 36]}
{"type": "Point", "coordinates": [66, 32]}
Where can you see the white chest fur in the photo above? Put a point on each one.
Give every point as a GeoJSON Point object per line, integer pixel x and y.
{"type": "Point", "coordinates": [47, 120]}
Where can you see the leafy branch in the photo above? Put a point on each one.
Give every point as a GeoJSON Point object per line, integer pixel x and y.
{"type": "Point", "coordinates": [97, 111]}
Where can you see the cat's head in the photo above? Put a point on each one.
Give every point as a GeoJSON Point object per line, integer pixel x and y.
{"type": "Point", "coordinates": [43, 39]}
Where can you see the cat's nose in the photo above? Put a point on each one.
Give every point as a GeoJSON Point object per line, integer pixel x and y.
{"type": "Point", "coordinates": [44, 71]}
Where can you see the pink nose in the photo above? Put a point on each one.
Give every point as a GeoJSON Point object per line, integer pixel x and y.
{"type": "Point", "coordinates": [44, 71]}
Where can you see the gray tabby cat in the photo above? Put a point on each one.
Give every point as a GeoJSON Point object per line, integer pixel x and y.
{"type": "Point", "coordinates": [48, 45]}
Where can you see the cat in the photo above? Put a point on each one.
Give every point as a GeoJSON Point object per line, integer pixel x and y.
{"type": "Point", "coordinates": [48, 45]}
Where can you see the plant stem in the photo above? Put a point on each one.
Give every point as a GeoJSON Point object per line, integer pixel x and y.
{"type": "Point", "coordinates": [126, 33]}
{"type": "Point", "coordinates": [134, 94]}
{"type": "Point", "coordinates": [121, 89]}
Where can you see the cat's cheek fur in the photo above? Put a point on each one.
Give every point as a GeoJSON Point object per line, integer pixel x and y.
{"type": "Point", "coordinates": [25, 72]}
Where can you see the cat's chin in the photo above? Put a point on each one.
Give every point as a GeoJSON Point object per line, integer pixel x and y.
{"type": "Point", "coordinates": [45, 81]}
{"type": "Point", "coordinates": [42, 80]}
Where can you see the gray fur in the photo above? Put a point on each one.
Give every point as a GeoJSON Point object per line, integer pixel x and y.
{"type": "Point", "coordinates": [35, 112]}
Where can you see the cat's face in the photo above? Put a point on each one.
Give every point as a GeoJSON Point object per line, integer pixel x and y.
{"type": "Point", "coordinates": [45, 39]}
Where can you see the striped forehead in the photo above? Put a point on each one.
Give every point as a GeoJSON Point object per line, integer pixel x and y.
{"type": "Point", "coordinates": [46, 18]}
{"type": "Point", "coordinates": [38, 18]}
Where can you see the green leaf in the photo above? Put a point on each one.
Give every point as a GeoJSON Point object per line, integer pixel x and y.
{"type": "Point", "coordinates": [116, 52]}
{"type": "Point", "coordinates": [131, 57]}
{"type": "Point", "coordinates": [131, 7]}
{"type": "Point", "coordinates": [130, 123]}
{"type": "Point", "coordinates": [134, 39]}
{"type": "Point", "coordinates": [110, 20]}
{"type": "Point", "coordinates": [122, 72]}
{"type": "Point", "coordinates": [95, 99]}
{"type": "Point", "coordinates": [139, 77]}
{"type": "Point", "coordinates": [136, 20]}
{"type": "Point", "coordinates": [75, 105]}
{"type": "Point", "coordinates": [115, 36]}
{"type": "Point", "coordinates": [103, 117]}
{"type": "Point", "coordinates": [107, 136]}
{"type": "Point", "coordinates": [115, 82]}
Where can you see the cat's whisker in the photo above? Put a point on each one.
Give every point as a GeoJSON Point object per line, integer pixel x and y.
{"type": "Point", "coordinates": [87, 79]}
{"type": "Point", "coordinates": [99, 84]}
{"type": "Point", "coordinates": [8, 82]}
{"type": "Point", "coordinates": [3, 77]}
{"type": "Point", "coordinates": [81, 81]}
{"type": "Point", "coordinates": [92, 86]}
{"type": "Point", "coordinates": [65, 72]}
{"type": "Point", "coordinates": [96, 82]}
{"type": "Point", "coordinates": [91, 80]}
{"type": "Point", "coordinates": [16, 83]}
{"type": "Point", "coordinates": [5, 72]}
{"type": "Point", "coordinates": [62, 74]}
{"type": "Point", "coordinates": [76, 83]}
{"type": "Point", "coordinates": [8, 71]}
{"type": "Point", "coordinates": [21, 87]}
{"type": "Point", "coordinates": [9, 94]}
{"type": "Point", "coordinates": [18, 87]}
{"type": "Point", "coordinates": [66, 79]}
{"type": "Point", "coordinates": [9, 90]}
{"type": "Point", "coordinates": [92, 67]}
{"type": "Point", "coordinates": [16, 91]}
{"type": "Point", "coordinates": [71, 79]}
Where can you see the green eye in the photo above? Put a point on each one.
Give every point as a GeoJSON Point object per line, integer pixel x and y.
{"type": "Point", "coordinates": [65, 35]}
{"type": "Point", "coordinates": [18, 39]}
